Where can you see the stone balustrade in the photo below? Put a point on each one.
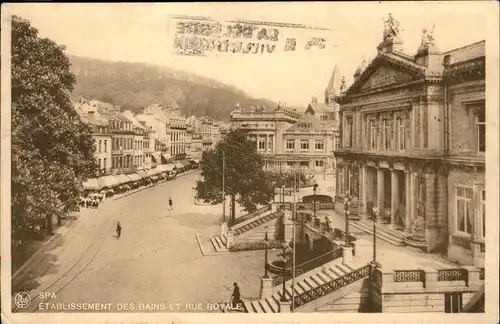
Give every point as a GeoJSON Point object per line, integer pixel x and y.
{"type": "Point", "coordinates": [425, 279]}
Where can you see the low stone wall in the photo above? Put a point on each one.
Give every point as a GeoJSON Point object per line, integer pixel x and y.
{"type": "Point", "coordinates": [422, 290]}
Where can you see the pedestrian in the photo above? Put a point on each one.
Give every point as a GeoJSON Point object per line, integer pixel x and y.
{"type": "Point", "coordinates": [170, 204]}
{"type": "Point", "coordinates": [236, 297]}
{"type": "Point", "coordinates": [118, 230]}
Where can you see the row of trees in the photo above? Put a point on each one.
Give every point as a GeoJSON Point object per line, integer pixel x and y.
{"type": "Point", "coordinates": [52, 149]}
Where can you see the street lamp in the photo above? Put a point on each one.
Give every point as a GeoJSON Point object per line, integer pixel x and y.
{"type": "Point", "coordinates": [223, 187]}
{"type": "Point", "coordinates": [315, 187]}
{"type": "Point", "coordinates": [285, 260]}
{"type": "Point", "coordinates": [374, 262]}
{"type": "Point", "coordinates": [347, 201]}
{"type": "Point", "coordinates": [266, 240]}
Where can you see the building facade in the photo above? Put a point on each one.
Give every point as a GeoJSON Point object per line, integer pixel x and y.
{"type": "Point", "coordinates": [178, 128]}
{"type": "Point", "coordinates": [405, 157]}
{"type": "Point", "coordinates": [207, 140]}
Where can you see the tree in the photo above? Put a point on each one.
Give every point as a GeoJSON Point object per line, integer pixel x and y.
{"type": "Point", "coordinates": [53, 150]}
{"type": "Point", "coordinates": [245, 179]}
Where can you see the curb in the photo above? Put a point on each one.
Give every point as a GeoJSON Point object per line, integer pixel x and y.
{"type": "Point", "coordinates": [200, 245]}
{"type": "Point", "coordinates": [60, 230]}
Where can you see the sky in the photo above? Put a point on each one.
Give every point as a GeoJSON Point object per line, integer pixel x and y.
{"type": "Point", "coordinates": [139, 33]}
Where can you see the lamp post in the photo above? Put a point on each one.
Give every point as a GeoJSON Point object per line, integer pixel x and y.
{"type": "Point", "coordinates": [266, 240]}
{"type": "Point", "coordinates": [347, 200]}
{"type": "Point", "coordinates": [374, 262]}
{"type": "Point", "coordinates": [294, 218]}
{"type": "Point", "coordinates": [223, 187]}
{"type": "Point", "coordinates": [284, 258]}
{"type": "Point", "coordinates": [315, 187]}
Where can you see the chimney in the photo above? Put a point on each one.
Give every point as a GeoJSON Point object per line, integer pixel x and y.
{"type": "Point", "coordinates": [314, 100]}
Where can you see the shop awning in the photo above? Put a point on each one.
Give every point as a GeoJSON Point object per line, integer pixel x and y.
{"type": "Point", "coordinates": [156, 157]}
{"type": "Point", "coordinates": [165, 157]}
{"type": "Point", "coordinates": [122, 178]}
{"type": "Point", "coordinates": [196, 161]}
{"type": "Point", "coordinates": [151, 172]}
{"type": "Point", "coordinates": [108, 181]}
{"type": "Point", "coordinates": [169, 167]}
{"type": "Point", "coordinates": [158, 170]}
{"type": "Point", "coordinates": [142, 173]}
{"type": "Point", "coordinates": [134, 177]}
{"type": "Point", "coordinates": [91, 184]}
{"type": "Point", "coordinates": [186, 163]}
{"type": "Point", "coordinates": [178, 164]}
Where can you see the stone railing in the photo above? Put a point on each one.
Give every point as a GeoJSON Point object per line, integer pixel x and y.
{"type": "Point", "coordinates": [319, 206]}
{"type": "Point", "coordinates": [331, 286]}
{"type": "Point", "coordinates": [464, 276]}
{"type": "Point", "coordinates": [246, 217]}
{"type": "Point", "coordinates": [308, 266]}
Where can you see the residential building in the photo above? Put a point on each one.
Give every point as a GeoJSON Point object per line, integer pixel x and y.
{"type": "Point", "coordinates": [100, 133]}
{"type": "Point", "coordinates": [139, 158]}
{"type": "Point", "coordinates": [178, 127]}
{"type": "Point", "coordinates": [196, 146]}
{"type": "Point", "coordinates": [216, 134]}
{"type": "Point", "coordinates": [413, 145]}
{"type": "Point", "coordinates": [206, 133]}
{"type": "Point", "coordinates": [155, 117]}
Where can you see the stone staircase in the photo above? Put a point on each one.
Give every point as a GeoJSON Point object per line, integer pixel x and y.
{"type": "Point", "coordinates": [392, 236]}
{"type": "Point", "coordinates": [311, 286]}
{"type": "Point", "coordinates": [259, 220]}
{"type": "Point", "coordinates": [219, 243]}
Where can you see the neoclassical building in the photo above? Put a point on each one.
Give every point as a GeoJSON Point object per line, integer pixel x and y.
{"type": "Point", "coordinates": [413, 144]}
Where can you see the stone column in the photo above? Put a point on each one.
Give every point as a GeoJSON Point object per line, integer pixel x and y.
{"type": "Point", "coordinates": [408, 193]}
{"type": "Point", "coordinates": [394, 197]}
{"type": "Point", "coordinates": [364, 191]}
{"type": "Point", "coordinates": [380, 194]}
{"type": "Point", "coordinates": [267, 143]}
{"type": "Point", "coordinates": [413, 198]}
{"type": "Point", "coordinates": [337, 183]}
{"type": "Point", "coordinates": [285, 306]}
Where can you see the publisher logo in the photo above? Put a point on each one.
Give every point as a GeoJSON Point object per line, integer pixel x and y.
{"type": "Point", "coordinates": [22, 299]}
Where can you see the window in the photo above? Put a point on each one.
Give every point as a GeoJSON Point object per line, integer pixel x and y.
{"type": "Point", "coordinates": [337, 143]}
{"type": "Point", "coordinates": [481, 130]}
{"type": "Point", "coordinates": [464, 210]}
{"type": "Point", "coordinates": [105, 164]}
{"type": "Point", "coordinates": [100, 164]}
{"type": "Point", "coordinates": [452, 302]}
{"type": "Point", "coordinates": [401, 134]}
{"type": "Point", "coordinates": [270, 143]}
{"type": "Point", "coordinates": [319, 163]}
{"type": "Point", "coordinates": [290, 144]}
{"type": "Point", "coordinates": [319, 145]}
{"type": "Point", "coordinates": [262, 143]}
{"type": "Point", "coordinates": [100, 143]}
{"type": "Point", "coordinates": [105, 145]}
{"type": "Point", "coordinates": [348, 133]}
{"type": "Point", "coordinates": [373, 135]}
{"type": "Point", "coordinates": [387, 134]}
{"type": "Point", "coordinates": [304, 145]}
{"type": "Point", "coordinates": [482, 216]}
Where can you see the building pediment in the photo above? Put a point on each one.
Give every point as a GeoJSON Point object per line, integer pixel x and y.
{"type": "Point", "coordinates": [385, 71]}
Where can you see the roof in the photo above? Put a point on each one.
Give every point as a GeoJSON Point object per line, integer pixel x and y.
{"type": "Point", "coordinates": [334, 83]}
{"type": "Point", "coordinates": [305, 124]}
{"type": "Point", "coordinates": [319, 108]}
{"type": "Point", "coordinates": [468, 52]}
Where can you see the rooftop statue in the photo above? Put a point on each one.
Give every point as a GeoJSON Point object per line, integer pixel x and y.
{"type": "Point", "coordinates": [391, 28]}
{"type": "Point", "coordinates": [427, 38]}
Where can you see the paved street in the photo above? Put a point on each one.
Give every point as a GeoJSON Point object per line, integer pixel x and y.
{"type": "Point", "coordinates": [157, 259]}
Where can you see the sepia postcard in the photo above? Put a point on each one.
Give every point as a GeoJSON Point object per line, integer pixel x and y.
{"type": "Point", "coordinates": [274, 162]}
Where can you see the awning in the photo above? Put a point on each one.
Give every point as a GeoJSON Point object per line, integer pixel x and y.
{"type": "Point", "coordinates": [165, 157]}
{"type": "Point", "coordinates": [142, 173]}
{"type": "Point", "coordinates": [169, 167]}
{"type": "Point", "coordinates": [158, 170]}
{"type": "Point", "coordinates": [108, 181]}
{"type": "Point", "coordinates": [156, 157]}
{"type": "Point", "coordinates": [196, 161]}
{"type": "Point", "coordinates": [186, 163]}
{"type": "Point", "coordinates": [178, 164]}
{"type": "Point", "coordinates": [123, 178]}
{"type": "Point", "coordinates": [150, 172]}
{"type": "Point", "coordinates": [134, 177]}
{"type": "Point", "coordinates": [91, 184]}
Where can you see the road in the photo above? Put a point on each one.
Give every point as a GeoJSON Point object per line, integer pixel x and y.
{"type": "Point", "coordinates": [156, 261]}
